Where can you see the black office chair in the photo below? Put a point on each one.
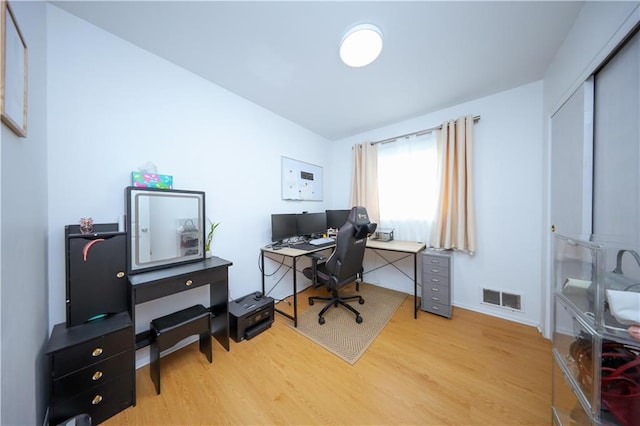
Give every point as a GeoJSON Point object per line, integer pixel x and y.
{"type": "Point", "coordinates": [344, 265]}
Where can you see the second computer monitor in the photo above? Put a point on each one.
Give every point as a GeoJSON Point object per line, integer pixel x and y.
{"type": "Point", "coordinates": [337, 218]}
{"type": "Point", "coordinates": [310, 224]}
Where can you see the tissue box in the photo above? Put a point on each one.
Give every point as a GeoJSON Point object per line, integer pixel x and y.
{"type": "Point", "coordinates": [151, 180]}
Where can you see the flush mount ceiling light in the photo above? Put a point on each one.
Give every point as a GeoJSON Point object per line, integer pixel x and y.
{"type": "Point", "coordinates": [361, 45]}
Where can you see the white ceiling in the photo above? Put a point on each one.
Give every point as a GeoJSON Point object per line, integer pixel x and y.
{"type": "Point", "coordinates": [284, 55]}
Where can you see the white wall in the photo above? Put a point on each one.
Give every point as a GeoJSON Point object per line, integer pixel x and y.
{"type": "Point", "coordinates": [113, 106]}
{"type": "Point", "coordinates": [508, 163]}
{"type": "Point", "coordinates": [598, 29]}
{"type": "Point", "coordinates": [23, 232]}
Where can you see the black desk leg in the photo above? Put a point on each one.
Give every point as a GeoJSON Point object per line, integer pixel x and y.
{"type": "Point", "coordinates": [293, 317]}
{"type": "Point", "coordinates": [295, 294]}
{"type": "Point", "coordinates": [415, 286]}
{"type": "Point", "coordinates": [262, 269]}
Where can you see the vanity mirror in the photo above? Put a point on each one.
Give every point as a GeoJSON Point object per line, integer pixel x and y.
{"type": "Point", "coordinates": [165, 227]}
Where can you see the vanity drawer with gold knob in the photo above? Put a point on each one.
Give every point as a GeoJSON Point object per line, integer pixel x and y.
{"type": "Point", "coordinates": [100, 402]}
{"type": "Point", "coordinates": [91, 352]}
{"type": "Point", "coordinates": [171, 284]}
{"type": "Point", "coordinates": [93, 375]}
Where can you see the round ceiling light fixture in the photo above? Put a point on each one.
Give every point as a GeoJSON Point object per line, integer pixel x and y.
{"type": "Point", "coordinates": [361, 45]}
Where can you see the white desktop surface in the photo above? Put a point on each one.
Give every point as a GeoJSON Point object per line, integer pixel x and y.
{"type": "Point", "coordinates": [393, 245]}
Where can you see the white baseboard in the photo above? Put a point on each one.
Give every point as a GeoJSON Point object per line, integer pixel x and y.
{"type": "Point", "coordinates": [499, 313]}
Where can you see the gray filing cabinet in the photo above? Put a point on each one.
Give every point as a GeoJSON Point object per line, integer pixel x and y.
{"type": "Point", "coordinates": [437, 270]}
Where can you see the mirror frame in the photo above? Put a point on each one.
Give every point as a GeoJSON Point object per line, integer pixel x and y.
{"type": "Point", "coordinates": [131, 193]}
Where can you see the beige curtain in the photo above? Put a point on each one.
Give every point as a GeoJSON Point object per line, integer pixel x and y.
{"type": "Point", "coordinates": [364, 182]}
{"type": "Point", "coordinates": [454, 223]}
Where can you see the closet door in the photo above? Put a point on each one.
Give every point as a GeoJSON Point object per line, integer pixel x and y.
{"type": "Point", "coordinates": [572, 164]}
{"type": "Point", "coordinates": [616, 204]}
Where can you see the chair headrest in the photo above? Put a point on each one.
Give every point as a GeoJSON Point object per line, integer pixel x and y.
{"type": "Point", "coordinates": [359, 216]}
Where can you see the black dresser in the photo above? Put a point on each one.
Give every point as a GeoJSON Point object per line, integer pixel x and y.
{"type": "Point", "coordinates": [92, 369]}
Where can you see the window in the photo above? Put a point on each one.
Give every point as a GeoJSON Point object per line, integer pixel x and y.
{"type": "Point", "coordinates": [407, 186]}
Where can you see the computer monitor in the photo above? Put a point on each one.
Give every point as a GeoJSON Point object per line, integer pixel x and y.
{"type": "Point", "coordinates": [337, 218]}
{"type": "Point", "coordinates": [310, 224]}
{"type": "Point", "coordinates": [283, 226]}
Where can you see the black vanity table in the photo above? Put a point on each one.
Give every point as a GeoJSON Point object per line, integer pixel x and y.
{"type": "Point", "coordinates": [92, 365]}
{"type": "Point", "coordinates": [108, 272]}
{"type": "Point", "coordinates": [146, 286]}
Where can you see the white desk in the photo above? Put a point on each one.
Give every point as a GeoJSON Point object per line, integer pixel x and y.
{"type": "Point", "coordinates": [409, 247]}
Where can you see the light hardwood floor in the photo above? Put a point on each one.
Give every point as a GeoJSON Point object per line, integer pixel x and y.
{"type": "Point", "coordinates": [471, 370]}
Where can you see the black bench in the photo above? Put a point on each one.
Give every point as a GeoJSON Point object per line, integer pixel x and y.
{"type": "Point", "coordinates": [170, 329]}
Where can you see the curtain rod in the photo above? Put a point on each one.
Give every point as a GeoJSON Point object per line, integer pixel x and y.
{"type": "Point", "coordinates": [418, 133]}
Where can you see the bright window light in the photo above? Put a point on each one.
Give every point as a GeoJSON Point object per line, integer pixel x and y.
{"type": "Point", "coordinates": [407, 186]}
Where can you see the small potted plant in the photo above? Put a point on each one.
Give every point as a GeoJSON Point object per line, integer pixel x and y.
{"type": "Point", "coordinates": [212, 230]}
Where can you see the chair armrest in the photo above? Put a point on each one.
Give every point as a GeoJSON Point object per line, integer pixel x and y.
{"type": "Point", "coordinates": [315, 257]}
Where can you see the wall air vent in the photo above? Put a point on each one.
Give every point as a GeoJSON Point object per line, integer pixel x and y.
{"type": "Point", "coordinates": [511, 301]}
{"type": "Point", "coordinates": [502, 299]}
{"type": "Point", "coordinates": [491, 297]}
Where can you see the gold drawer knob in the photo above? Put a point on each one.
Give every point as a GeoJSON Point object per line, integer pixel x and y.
{"type": "Point", "coordinates": [120, 274]}
{"type": "Point", "coordinates": [189, 282]}
{"type": "Point", "coordinates": [97, 375]}
{"type": "Point", "coordinates": [97, 352]}
{"type": "Point", "coordinates": [96, 400]}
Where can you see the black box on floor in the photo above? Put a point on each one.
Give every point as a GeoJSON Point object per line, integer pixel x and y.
{"type": "Point", "coordinates": [250, 315]}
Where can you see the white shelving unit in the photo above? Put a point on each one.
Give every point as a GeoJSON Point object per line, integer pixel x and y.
{"type": "Point", "coordinates": [581, 319]}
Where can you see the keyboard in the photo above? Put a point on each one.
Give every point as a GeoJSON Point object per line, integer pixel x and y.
{"type": "Point", "coordinates": [320, 241]}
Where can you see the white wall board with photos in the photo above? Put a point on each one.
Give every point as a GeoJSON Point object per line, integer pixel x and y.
{"type": "Point", "coordinates": [301, 181]}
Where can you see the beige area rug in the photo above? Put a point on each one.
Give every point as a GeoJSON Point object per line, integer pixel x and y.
{"type": "Point", "coordinates": [341, 334]}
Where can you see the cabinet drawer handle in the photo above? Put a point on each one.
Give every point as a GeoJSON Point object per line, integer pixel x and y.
{"type": "Point", "coordinates": [436, 289]}
{"type": "Point", "coordinates": [96, 400]}
{"type": "Point", "coordinates": [435, 308]}
{"type": "Point", "coordinates": [97, 352]}
{"type": "Point", "coordinates": [436, 261]}
{"type": "Point", "coordinates": [435, 280]}
{"type": "Point", "coordinates": [189, 282]}
{"type": "Point", "coordinates": [435, 271]}
{"type": "Point", "coordinates": [436, 299]}
{"type": "Point", "coordinates": [97, 375]}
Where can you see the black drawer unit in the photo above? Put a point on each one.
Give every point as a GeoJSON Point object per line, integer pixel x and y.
{"type": "Point", "coordinates": [436, 282]}
{"type": "Point", "coordinates": [91, 369]}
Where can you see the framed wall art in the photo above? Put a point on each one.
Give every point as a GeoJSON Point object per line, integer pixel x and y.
{"type": "Point", "coordinates": [13, 72]}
